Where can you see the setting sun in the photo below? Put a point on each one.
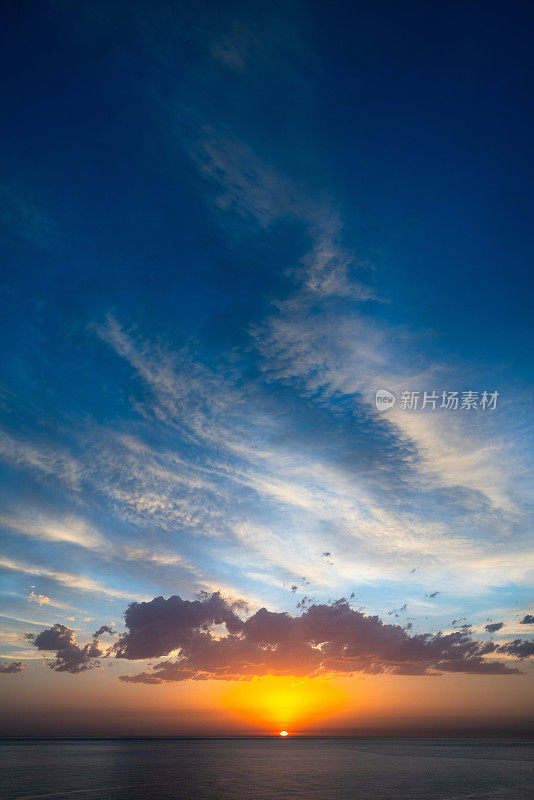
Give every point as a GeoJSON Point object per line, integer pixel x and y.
{"type": "Point", "coordinates": [271, 702]}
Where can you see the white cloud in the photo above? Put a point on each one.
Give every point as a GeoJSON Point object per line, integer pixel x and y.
{"type": "Point", "coordinates": [48, 460]}
{"type": "Point", "coordinates": [41, 599]}
{"type": "Point", "coordinates": [70, 529]}
{"type": "Point", "coordinates": [81, 583]}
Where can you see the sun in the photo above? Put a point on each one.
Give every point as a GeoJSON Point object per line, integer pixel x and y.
{"type": "Point", "coordinates": [277, 703]}
{"type": "Point", "coordinates": [284, 733]}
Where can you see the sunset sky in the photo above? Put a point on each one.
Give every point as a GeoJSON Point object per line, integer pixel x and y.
{"type": "Point", "coordinates": [225, 227]}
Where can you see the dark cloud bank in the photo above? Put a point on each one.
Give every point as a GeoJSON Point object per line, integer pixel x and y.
{"type": "Point", "coordinates": [214, 642]}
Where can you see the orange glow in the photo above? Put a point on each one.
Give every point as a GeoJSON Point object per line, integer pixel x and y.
{"type": "Point", "coordinates": [96, 705]}
{"type": "Point", "coordinates": [279, 703]}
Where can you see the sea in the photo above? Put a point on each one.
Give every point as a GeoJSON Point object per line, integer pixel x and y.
{"type": "Point", "coordinates": [267, 769]}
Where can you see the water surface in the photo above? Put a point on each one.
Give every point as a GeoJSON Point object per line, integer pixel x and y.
{"type": "Point", "coordinates": [267, 769]}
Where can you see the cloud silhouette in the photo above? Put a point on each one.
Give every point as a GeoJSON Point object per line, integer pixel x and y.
{"type": "Point", "coordinates": [493, 627]}
{"type": "Point", "coordinates": [208, 639]}
{"type": "Point", "coordinates": [160, 626]}
{"type": "Point", "coordinates": [13, 668]}
{"type": "Point", "coordinates": [519, 648]}
{"type": "Point", "coordinates": [324, 639]}
{"type": "Point", "coordinates": [103, 629]}
{"type": "Point", "coordinates": [70, 657]}
{"type": "Point", "coordinates": [528, 619]}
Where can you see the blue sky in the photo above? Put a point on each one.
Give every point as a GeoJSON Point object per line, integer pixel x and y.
{"type": "Point", "coordinates": [224, 228]}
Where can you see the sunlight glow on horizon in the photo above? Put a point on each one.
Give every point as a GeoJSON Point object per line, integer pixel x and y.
{"type": "Point", "coordinates": [282, 702]}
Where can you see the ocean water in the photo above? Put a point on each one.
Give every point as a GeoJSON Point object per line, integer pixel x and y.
{"type": "Point", "coordinates": [267, 769]}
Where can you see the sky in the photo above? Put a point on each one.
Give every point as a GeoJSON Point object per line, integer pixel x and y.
{"type": "Point", "coordinates": [225, 228]}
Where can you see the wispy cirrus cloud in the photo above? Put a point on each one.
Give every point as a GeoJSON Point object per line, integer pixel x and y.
{"type": "Point", "coordinates": [324, 349]}
{"type": "Point", "coordinates": [313, 487]}
{"type": "Point", "coordinates": [81, 583]}
{"type": "Point", "coordinates": [287, 493]}
{"type": "Point", "coordinates": [47, 459]}
{"type": "Point", "coordinates": [72, 530]}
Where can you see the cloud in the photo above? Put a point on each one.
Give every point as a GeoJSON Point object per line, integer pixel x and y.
{"type": "Point", "coordinates": [80, 582]}
{"type": "Point", "coordinates": [519, 648]}
{"type": "Point", "coordinates": [42, 599]}
{"type": "Point", "coordinates": [328, 351]}
{"type": "Point", "coordinates": [160, 626]}
{"type": "Point", "coordinates": [317, 479]}
{"type": "Point", "coordinates": [493, 627]}
{"type": "Point", "coordinates": [162, 558]}
{"type": "Point", "coordinates": [13, 668]}
{"type": "Point", "coordinates": [69, 656]}
{"type": "Point", "coordinates": [103, 629]}
{"type": "Point", "coordinates": [324, 639]}
{"type": "Point", "coordinates": [71, 529]}
{"type": "Point", "coordinates": [244, 185]}
{"type": "Point", "coordinates": [75, 530]}
{"type": "Point", "coordinates": [54, 462]}
{"type": "Point", "coordinates": [528, 619]}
